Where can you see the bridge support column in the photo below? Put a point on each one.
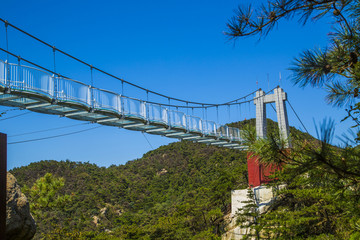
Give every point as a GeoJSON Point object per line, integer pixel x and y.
{"type": "Point", "coordinates": [279, 98]}
{"type": "Point", "coordinates": [261, 130]}
{"type": "Point", "coordinates": [258, 173]}
{"type": "Point", "coordinates": [283, 122]}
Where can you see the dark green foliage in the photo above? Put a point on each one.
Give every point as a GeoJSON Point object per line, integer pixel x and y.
{"type": "Point", "coordinates": [249, 21]}
{"type": "Point", "coordinates": [336, 66]}
{"type": "Point", "coordinates": [322, 197]}
{"type": "Point", "coordinates": [272, 129]}
{"type": "Point", "coordinates": [44, 195]}
{"type": "Point", "coordinates": [247, 217]}
{"type": "Point", "coordinates": [179, 191]}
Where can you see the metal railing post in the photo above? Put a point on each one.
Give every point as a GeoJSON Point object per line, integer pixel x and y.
{"type": "Point", "coordinates": [92, 99]}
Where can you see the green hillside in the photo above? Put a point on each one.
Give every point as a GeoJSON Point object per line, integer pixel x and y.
{"type": "Point", "coordinates": [178, 191]}
{"type": "Point", "coordinates": [273, 129]}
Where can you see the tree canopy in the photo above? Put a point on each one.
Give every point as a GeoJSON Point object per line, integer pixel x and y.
{"type": "Point", "coordinates": [335, 66]}
{"type": "Point", "coordinates": [179, 191]}
{"type": "Point", "coordinates": [322, 197]}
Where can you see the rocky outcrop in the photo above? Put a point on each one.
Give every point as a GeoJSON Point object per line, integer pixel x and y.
{"type": "Point", "coordinates": [264, 198]}
{"type": "Point", "coordinates": [96, 220]}
{"type": "Point", "coordinates": [20, 225]}
{"type": "Point", "coordinates": [162, 172]}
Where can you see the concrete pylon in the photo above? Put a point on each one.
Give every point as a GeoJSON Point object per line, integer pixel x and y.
{"type": "Point", "coordinates": [261, 130]}
{"type": "Point", "coordinates": [279, 97]}
{"type": "Point", "coordinates": [283, 122]}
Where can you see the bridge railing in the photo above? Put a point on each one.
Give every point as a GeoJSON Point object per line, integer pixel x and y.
{"type": "Point", "coordinates": [235, 134]}
{"type": "Point", "coordinates": [157, 113]}
{"type": "Point", "coordinates": [69, 90]}
{"type": "Point", "coordinates": [177, 119]}
{"type": "Point", "coordinates": [29, 79]}
{"type": "Point", "coordinates": [222, 132]}
{"type": "Point", "coordinates": [194, 124]}
{"type": "Point", "coordinates": [210, 128]}
{"type": "Point", "coordinates": [106, 100]}
{"type": "Point", "coordinates": [133, 108]}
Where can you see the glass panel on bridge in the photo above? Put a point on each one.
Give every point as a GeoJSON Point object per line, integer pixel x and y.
{"type": "Point", "coordinates": [157, 113]}
{"type": "Point", "coordinates": [133, 107]}
{"type": "Point", "coordinates": [73, 91]}
{"type": "Point", "coordinates": [28, 79]}
{"type": "Point", "coordinates": [234, 134]}
{"type": "Point", "coordinates": [222, 132]}
{"type": "Point", "coordinates": [106, 100]}
{"type": "Point", "coordinates": [209, 128]}
{"type": "Point", "coordinates": [177, 119]}
{"type": "Point", "coordinates": [2, 73]}
{"type": "Point", "coordinates": [194, 124]}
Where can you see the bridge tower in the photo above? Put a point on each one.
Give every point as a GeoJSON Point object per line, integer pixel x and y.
{"type": "Point", "coordinates": [258, 173]}
{"type": "Point", "coordinates": [279, 98]}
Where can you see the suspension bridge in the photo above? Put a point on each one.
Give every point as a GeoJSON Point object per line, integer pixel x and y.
{"type": "Point", "coordinates": [25, 84]}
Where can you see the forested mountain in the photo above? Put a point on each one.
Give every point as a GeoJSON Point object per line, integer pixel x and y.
{"type": "Point", "coordinates": [178, 191]}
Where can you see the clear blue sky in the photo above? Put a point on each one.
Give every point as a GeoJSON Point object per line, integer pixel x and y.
{"type": "Point", "coordinates": [174, 47]}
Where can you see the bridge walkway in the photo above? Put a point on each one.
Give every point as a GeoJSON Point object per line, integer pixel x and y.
{"type": "Point", "coordinates": [36, 90]}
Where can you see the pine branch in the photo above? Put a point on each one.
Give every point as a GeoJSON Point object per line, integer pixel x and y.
{"type": "Point", "coordinates": [246, 23]}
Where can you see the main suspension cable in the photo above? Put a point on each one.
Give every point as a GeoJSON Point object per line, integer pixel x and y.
{"type": "Point", "coordinates": [233, 102]}
{"type": "Point", "coordinates": [297, 116]}
{"type": "Point", "coordinates": [32, 63]}
{"type": "Point", "coordinates": [106, 73]}
{"type": "Point", "coordinates": [208, 105]}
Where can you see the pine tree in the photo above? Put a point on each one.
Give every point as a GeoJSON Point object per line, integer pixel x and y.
{"type": "Point", "coordinates": [336, 66]}
{"type": "Point", "coordinates": [247, 217]}
{"type": "Point", "coordinates": [44, 194]}
{"type": "Point", "coordinates": [322, 198]}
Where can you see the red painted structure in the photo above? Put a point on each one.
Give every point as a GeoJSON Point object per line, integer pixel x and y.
{"type": "Point", "coordinates": [258, 173]}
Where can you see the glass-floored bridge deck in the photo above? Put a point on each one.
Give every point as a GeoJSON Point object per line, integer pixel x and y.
{"type": "Point", "coordinates": [36, 90]}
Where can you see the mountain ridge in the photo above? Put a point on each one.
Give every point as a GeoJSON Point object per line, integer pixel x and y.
{"type": "Point", "coordinates": [177, 191]}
